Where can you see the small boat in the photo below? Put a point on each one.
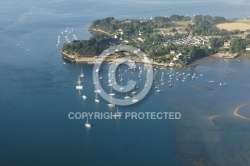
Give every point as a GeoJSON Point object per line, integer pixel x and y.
{"type": "Point", "coordinates": [110, 92]}
{"type": "Point", "coordinates": [81, 74]}
{"type": "Point", "coordinates": [134, 92]}
{"type": "Point", "coordinates": [134, 100]}
{"type": "Point", "coordinates": [127, 97]}
{"type": "Point", "coordinates": [100, 77]}
{"type": "Point", "coordinates": [193, 77]}
{"type": "Point", "coordinates": [158, 89]}
{"type": "Point", "coordinates": [97, 90]}
{"type": "Point", "coordinates": [121, 78]}
{"type": "Point", "coordinates": [79, 87]}
{"type": "Point", "coordinates": [110, 104]}
{"type": "Point", "coordinates": [79, 80]}
{"type": "Point", "coordinates": [222, 84]}
{"type": "Point", "coordinates": [84, 97]}
{"type": "Point", "coordinates": [87, 125]}
{"type": "Point", "coordinates": [96, 98]}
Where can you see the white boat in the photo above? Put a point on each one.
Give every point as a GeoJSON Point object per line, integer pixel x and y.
{"type": "Point", "coordinates": [100, 77]}
{"type": "Point", "coordinates": [110, 92]}
{"type": "Point", "coordinates": [137, 85]}
{"type": "Point", "coordinates": [222, 84]}
{"type": "Point", "coordinates": [134, 92]}
{"type": "Point", "coordinates": [79, 87]}
{"type": "Point", "coordinates": [79, 80]}
{"type": "Point", "coordinates": [117, 115]}
{"type": "Point", "coordinates": [110, 104]}
{"type": "Point", "coordinates": [121, 88]}
{"type": "Point", "coordinates": [121, 78]}
{"type": "Point", "coordinates": [158, 89]}
{"type": "Point", "coordinates": [87, 125]}
{"type": "Point", "coordinates": [127, 97]}
{"type": "Point", "coordinates": [96, 98]}
{"type": "Point", "coordinates": [84, 97]}
{"type": "Point", "coordinates": [128, 80]}
{"type": "Point", "coordinates": [134, 100]}
{"type": "Point", "coordinates": [81, 74]}
{"type": "Point", "coordinates": [97, 90]}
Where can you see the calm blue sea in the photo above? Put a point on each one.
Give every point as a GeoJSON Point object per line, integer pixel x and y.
{"type": "Point", "coordinates": [37, 91]}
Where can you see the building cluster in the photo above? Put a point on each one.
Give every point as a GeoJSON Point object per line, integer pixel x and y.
{"type": "Point", "coordinates": [196, 40]}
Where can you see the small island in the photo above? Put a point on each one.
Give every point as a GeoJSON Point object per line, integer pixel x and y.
{"type": "Point", "coordinates": [174, 41]}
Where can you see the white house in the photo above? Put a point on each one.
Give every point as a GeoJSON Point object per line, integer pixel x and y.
{"type": "Point", "coordinates": [248, 48]}
{"type": "Point", "coordinates": [227, 44]}
{"type": "Point", "coordinates": [172, 51]}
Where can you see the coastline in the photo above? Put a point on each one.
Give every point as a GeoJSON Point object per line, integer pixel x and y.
{"type": "Point", "coordinates": [93, 60]}
{"type": "Point", "coordinates": [208, 59]}
{"type": "Point", "coordinates": [215, 58]}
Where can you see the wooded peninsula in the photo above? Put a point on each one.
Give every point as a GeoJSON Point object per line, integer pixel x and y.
{"type": "Point", "coordinates": [175, 40]}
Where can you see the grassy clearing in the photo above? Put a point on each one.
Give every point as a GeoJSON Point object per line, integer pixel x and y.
{"type": "Point", "coordinates": [234, 26]}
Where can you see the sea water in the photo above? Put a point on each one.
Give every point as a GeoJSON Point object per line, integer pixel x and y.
{"type": "Point", "coordinates": [38, 92]}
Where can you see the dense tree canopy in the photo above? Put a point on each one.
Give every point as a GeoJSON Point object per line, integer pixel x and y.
{"type": "Point", "coordinates": [148, 36]}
